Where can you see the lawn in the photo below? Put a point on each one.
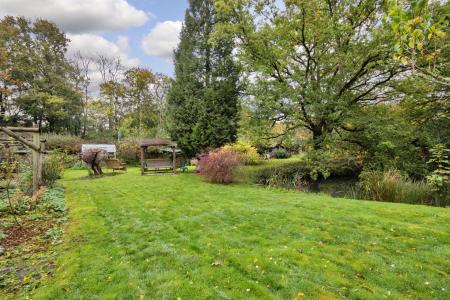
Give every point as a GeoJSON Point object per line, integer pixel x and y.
{"type": "Point", "coordinates": [176, 237]}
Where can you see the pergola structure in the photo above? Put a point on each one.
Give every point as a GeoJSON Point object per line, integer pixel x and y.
{"type": "Point", "coordinates": [157, 165]}
{"type": "Point", "coordinates": [30, 137]}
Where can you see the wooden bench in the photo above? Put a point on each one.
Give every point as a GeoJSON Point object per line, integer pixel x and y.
{"type": "Point", "coordinates": [116, 164]}
{"type": "Point", "coordinates": [157, 165]}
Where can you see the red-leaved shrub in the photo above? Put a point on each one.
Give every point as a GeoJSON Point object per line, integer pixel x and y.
{"type": "Point", "coordinates": [218, 165]}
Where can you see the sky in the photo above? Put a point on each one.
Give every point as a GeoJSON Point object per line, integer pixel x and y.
{"type": "Point", "coordinates": [140, 32]}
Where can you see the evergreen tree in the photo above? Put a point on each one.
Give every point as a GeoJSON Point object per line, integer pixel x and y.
{"type": "Point", "coordinates": [203, 99]}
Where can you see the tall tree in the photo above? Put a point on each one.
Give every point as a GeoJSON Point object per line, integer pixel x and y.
{"type": "Point", "coordinates": [7, 84]}
{"type": "Point", "coordinates": [138, 84]}
{"type": "Point", "coordinates": [422, 42]}
{"type": "Point", "coordinates": [111, 89]}
{"type": "Point", "coordinates": [421, 39]}
{"type": "Point", "coordinates": [203, 99]}
{"type": "Point", "coordinates": [311, 63]}
{"type": "Point", "coordinates": [82, 65]}
{"type": "Point", "coordinates": [38, 76]}
{"type": "Point", "coordinates": [160, 90]}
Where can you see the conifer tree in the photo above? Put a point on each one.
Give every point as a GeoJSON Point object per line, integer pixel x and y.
{"type": "Point", "coordinates": [203, 99]}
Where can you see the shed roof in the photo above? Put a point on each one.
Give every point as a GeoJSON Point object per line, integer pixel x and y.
{"type": "Point", "coordinates": [111, 148]}
{"type": "Point", "coordinates": [156, 142]}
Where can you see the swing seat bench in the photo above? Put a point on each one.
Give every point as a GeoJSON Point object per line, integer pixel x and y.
{"type": "Point", "coordinates": [158, 165]}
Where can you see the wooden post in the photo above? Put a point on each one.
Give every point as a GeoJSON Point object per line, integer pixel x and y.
{"type": "Point", "coordinates": [37, 162]}
{"type": "Point", "coordinates": [41, 160]}
{"type": "Point", "coordinates": [36, 146]}
{"type": "Point", "coordinates": [142, 160]}
{"type": "Point", "coordinates": [174, 163]}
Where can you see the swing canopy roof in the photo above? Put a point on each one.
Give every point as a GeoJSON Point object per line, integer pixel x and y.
{"type": "Point", "coordinates": [156, 142]}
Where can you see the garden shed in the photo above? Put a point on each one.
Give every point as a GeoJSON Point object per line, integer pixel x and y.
{"type": "Point", "coordinates": [110, 148]}
{"type": "Point", "coordinates": [157, 165]}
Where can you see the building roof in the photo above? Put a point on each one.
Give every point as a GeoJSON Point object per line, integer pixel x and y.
{"type": "Point", "coordinates": [156, 142]}
{"type": "Point", "coordinates": [111, 148]}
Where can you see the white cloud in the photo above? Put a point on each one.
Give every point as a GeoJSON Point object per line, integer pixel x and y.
{"type": "Point", "coordinates": [162, 40]}
{"type": "Point", "coordinates": [92, 45]}
{"type": "Point", "coordinates": [76, 16]}
{"type": "Point", "coordinates": [122, 43]}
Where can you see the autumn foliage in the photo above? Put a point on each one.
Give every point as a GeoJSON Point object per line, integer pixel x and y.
{"type": "Point", "coordinates": [218, 165]}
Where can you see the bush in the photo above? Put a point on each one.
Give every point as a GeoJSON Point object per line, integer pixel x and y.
{"type": "Point", "coordinates": [439, 178]}
{"type": "Point", "coordinates": [53, 167]}
{"type": "Point", "coordinates": [280, 153]}
{"type": "Point", "coordinates": [248, 154]}
{"type": "Point", "coordinates": [79, 165]}
{"type": "Point", "coordinates": [218, 166]}
{"type": "Point", "coordinates": [66, 143]}
{"type": "Point", "coordinates": [128, 150]}
{"type": "Point", "coordinates": [70, 160]}
{"type": "Point", "coordinates": [300, 175]}
{"type": "Point", "coordinates": [293, 176]}
{"type": "Point", "coordinates": [393, 186]}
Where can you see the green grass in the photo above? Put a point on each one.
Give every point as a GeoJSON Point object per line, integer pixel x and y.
{"type": "Point", "coordinates": [164, 237]}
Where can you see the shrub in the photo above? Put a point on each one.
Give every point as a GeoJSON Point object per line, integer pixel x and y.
{"type": "Point", "coordinates": [70, 160]}
{"type": "Point", "coordinates": [440, 176]}
{"type": "Point", "coordinates": [280, 153]}
{"type": "Point", "coordinates": [79, 165]}
{"type": "Point", "coordinates": [219, 165]}
{"type": "Point", "coordinates": [393, 186]}
{"type": "Point", "coordinates": [128, 150]}
{"type": "Point", "coordinates": [67, 143]}
{"type": "Point", "coordinates": [53, 167]}
{"type": "Point", "coordinates": [300, 175]}
{"type": "Point", "coordinates": [293, 175]}
{"type": "Point", "coordinates": [248, 154]}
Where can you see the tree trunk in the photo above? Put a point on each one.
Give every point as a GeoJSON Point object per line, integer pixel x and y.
{"type": "Point", "coordinates": [317, 145]}
{"type": "Point", "coordinates": [317, 138]}
{"type": "Point", "coordinates": [85, 111]}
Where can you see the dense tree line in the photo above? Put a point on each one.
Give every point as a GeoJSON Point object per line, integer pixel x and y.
{"type": "Point", "coordinates": [36, 78]}
{"type": "Point", "coordinates": [40, 85]}
{"type": "Point", "coordinates": [371, 76]}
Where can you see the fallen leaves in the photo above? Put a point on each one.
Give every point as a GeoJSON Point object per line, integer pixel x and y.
{"type": "Point", "coordinates": [216, 263]}
{"type": "Point", "coordinates": [298, 295]}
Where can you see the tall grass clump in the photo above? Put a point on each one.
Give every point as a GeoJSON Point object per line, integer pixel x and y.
{"type": "Point", "coordinates": [219, 165]}
{"type": "Point", "coordinates": [291, 176]}
{"type": "Point", "coordinates": [393, 186]}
